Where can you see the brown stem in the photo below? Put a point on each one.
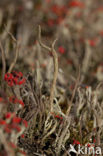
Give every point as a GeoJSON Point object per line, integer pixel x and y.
{"type": "Point", "coordinates": [3, 65]}
{"type": "Point", "coordinates": [16, 52]}
{"type": "Point", "coordinates": [15, 59]}
{"type": "Point", "coordinates": [73, 94]}
{"type": "Point", "coordinates": [55, 61]}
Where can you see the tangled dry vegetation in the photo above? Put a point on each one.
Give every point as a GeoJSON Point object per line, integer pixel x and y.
{"type": "Point", "coordinates": [59, 96]}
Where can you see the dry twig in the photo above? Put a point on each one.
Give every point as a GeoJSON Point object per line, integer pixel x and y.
{"type": "Point", "coordinates": [55, 60]}
{"type": "Point", "coordinates": [15, 59]}
{"type": "Point", "coordinates": [16, 52]}
{"type": "Point", "coordinates": [3, 65]}
{"type": "Point", "coordinates": [74, 91]}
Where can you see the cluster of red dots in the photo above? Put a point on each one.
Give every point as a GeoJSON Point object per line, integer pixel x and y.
{"type": "Point", "coordinates": [57, 116]}
{"type": "Point", "coordinates": [15, 100]}
{"type": "Point", "coordinates": [76, 142]}
{"type": "Point", "coordinates": [10, 123]}
{"type": "Point", "coordinates": [14, 123]}
{"type": "Point", "coordinates": [76, 3]}
{"type": "Point", "coordinates": [14, 78]}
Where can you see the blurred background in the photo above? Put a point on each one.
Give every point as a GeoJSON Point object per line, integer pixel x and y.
{"type": "Point", "coordinates": [77, 24]}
